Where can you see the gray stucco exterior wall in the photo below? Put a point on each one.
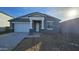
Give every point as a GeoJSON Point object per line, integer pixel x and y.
{"type": "Point", "coordinates": [55, 24]}
{"type": "Point", "coordinates": [11, 27]}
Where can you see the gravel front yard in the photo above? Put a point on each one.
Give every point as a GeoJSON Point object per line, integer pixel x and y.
{"type": "Point", "coordinates": [50, 42]}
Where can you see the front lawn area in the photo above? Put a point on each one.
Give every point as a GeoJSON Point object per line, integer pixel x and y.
{"type": "Point", "coordinates": [50, 42]}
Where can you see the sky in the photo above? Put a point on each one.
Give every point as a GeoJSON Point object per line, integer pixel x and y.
{"type": "Point", "coordinates": [63, 13]}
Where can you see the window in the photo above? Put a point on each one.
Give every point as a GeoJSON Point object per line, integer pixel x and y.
{"type": "Point", "coordinates": [50, 25]}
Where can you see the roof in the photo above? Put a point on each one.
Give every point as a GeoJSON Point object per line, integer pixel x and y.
{"type": "Point", "coordinates": [20, 20]}
{"type": "Point", "coordinates": [36, 14]}
{"type": "Point", "coordinates": [6, 14]}
{"type": "Point", "coordinates": [71, 20]}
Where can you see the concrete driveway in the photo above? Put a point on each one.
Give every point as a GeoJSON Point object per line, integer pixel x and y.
{"type": "Point", "coordinates": [10, 40]}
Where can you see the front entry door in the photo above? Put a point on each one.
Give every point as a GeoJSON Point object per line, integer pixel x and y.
{"type": "Point", "coordinates": [37, 27]}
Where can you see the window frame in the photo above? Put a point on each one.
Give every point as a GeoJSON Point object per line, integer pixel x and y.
{"type": "Point", "coordinates": [51, 27]}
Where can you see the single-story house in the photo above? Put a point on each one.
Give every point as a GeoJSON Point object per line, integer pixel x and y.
{"type": "Point", "coordinates": [70, 26]}
{"type": "Point", "coordinates": [35, 22]}
{"type": "Point", "coordinates": [4, 17]}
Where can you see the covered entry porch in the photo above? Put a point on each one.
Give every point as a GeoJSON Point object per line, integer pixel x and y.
{"type": "Point", "coordinates": [36, 24]}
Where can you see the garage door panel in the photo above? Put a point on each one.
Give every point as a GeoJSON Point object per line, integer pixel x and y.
{"type": "Point", "coordinates": [21, 27]}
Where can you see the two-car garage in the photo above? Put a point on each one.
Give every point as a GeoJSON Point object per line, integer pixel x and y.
{"type": "Point", "coordinates": [21, 26]}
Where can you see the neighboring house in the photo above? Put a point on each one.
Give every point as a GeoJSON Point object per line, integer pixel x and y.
{"type": "Point", "coordinates": [35, 22]}
{"type": "Point", "coordinates": [4, 20]}
{"type": "Point", "coordinates": [70, 26]}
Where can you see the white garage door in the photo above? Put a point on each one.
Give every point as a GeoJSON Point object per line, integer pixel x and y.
{"type": "Point", "coordinates": [21, 27]}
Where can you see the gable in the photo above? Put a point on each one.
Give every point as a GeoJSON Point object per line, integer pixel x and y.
{"type": "Point", "coordinates": [4, 20]}
{"type": "Point", "coordinates": [35, 14]}
{"type": "Point", "coordinates": [25, 18]}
